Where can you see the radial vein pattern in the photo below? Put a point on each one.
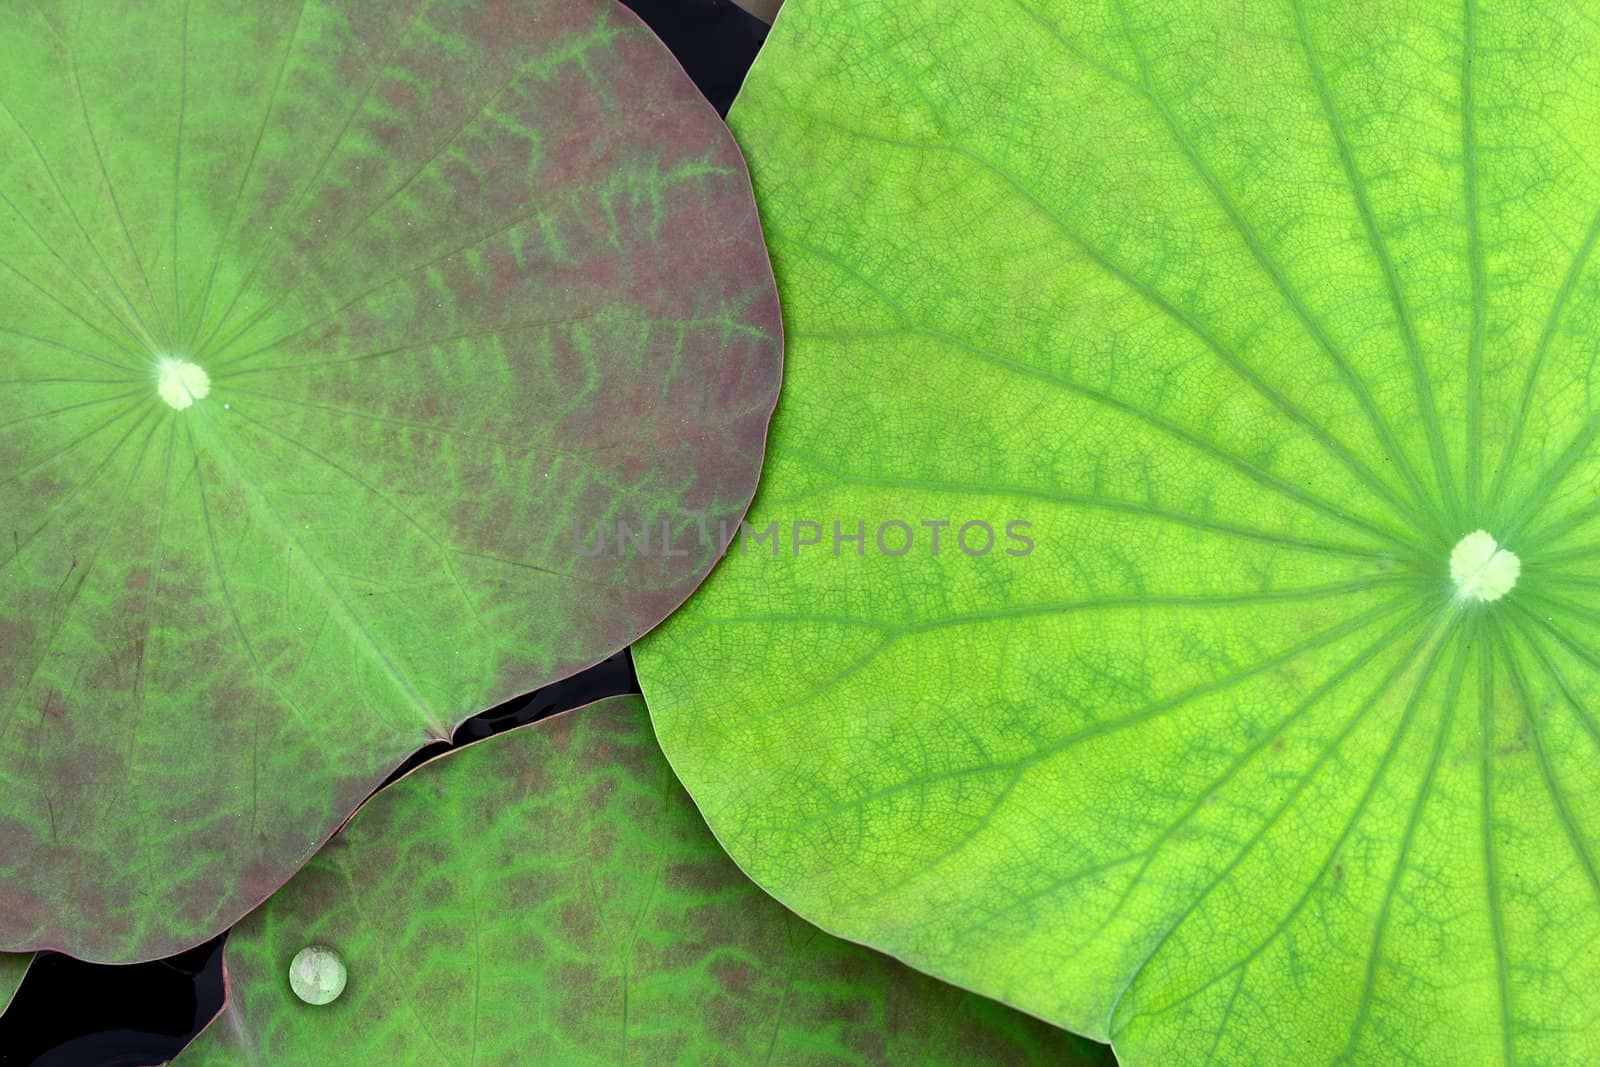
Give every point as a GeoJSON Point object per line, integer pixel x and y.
{"type": "Point", "coordinates": [1267, 330]}
{"type": "Point", "coordinates": [326, 329]}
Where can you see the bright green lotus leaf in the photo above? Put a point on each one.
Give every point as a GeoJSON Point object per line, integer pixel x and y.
{"type": "Point", "coordinates": [551, 895]}
{"type": "Point", "coordinates": [1250, 747]}
{"type": "Point", "coordinates": [13, 965]}
{"type": "Point", "coordinates": [329, 330]}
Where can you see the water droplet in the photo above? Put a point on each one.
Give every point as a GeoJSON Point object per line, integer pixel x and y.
{"type": "Point", "coordinates": [317, 974]}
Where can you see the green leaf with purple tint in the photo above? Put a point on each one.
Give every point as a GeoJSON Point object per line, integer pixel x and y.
{"type": "Point", "coordinates": [765, 10]}
{"type": "Point", "coordinates": [325, 330]}
{"type": "Point", "coordinates": [551, 895]}
{"type": "Point", "coordinates": [13, 965]}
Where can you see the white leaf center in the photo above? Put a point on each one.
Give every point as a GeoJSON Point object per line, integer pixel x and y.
{"type": "Point", "coordinates": [181, 383]}
{"type": "Point", "coordinates": [1481, 569]}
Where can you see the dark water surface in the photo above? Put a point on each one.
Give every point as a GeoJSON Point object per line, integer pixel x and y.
{"type": "Point", "coordinates": [73, 1014]}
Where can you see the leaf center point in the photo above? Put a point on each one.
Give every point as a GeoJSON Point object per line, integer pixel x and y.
{"type": "Point", "coordinates": [1481, 569]}
{"type": "Point", "coordinates": [181, 383]}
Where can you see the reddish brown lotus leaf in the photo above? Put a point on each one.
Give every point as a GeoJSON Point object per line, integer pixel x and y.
{"type": "Point", "coordinates": [327, 330]}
